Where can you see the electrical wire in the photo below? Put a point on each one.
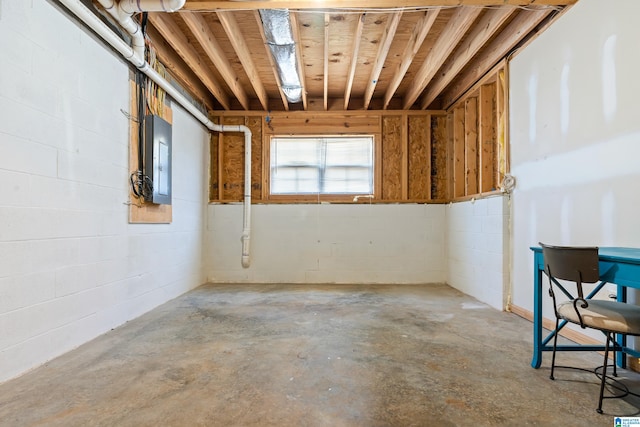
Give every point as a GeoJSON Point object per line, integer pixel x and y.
{"type": "Point", "coordinates": [141, 184]}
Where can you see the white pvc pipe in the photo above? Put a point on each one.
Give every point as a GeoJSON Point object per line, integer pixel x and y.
{"type": "Point", "coordinates": [89, 18]}
{"type": "Point", "coordinates": [131, 27]}
{"type": "Point", "coordinates": [133, 6]}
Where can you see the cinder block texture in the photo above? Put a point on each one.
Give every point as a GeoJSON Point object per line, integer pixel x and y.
{"type": "Point", "coordinates": [71, 266]}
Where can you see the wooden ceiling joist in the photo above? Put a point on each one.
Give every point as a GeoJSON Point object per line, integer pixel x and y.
{"type": "Point", "coordinates": [357, 38]}
{"type": "Point", "coordinates": [455, 30]}
{"type": "Point", "coordinates": [178, 41]}
{"type": "Point", "coordinates": [239, 44]}
{"type": "Point", "coordinates": [486, 27]}
{"type": "Point", "coordinates": [210, 5]}
{"type": "Point", "coordinates": [520, 27]}
{"type": "Point", "coordinates": [411, 54]}
{"type": "Point", "coordinates": [422, 28]}
{"type": "Point", "coordinates": [201, 31]}
{"type": "Point", "coordinates": [179, 70]}
{"type": "Point", "coordinates": [381, 57]}
{"type": "Point", "coordinates": [325, 59]}
{"type": "Point", "coordinates": [293, 18]}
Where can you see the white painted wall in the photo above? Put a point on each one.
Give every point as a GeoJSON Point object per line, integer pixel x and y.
{"type": "Point", "coordinates": [71, 267]}
{"type": "Point", "coordinates": [324, 243]}
{"type": "Point", "coordinates": [575, 135]}
{"type": "Point", "coordinates": [478, 249]}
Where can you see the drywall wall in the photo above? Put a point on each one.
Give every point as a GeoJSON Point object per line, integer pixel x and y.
{"type": "Point", "coordinates": [478, 249]}
{"type": "Point", "coordinates": [71, 266]}
{"type": "Point", "coordinates": [575, 136]}
{"type": "Point", "coordinates": [323, 243]}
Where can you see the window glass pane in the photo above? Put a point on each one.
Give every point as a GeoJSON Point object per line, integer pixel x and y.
{"type": "Point", "coordinates": [329, 165]}
{"type": "Point", "coordinates": [295, 180]}
{"type": "Point", "coordinates": [347, 180]}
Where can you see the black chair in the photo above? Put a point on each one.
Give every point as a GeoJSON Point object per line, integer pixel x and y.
{"type": "Point", "coordinates": [580, 265]}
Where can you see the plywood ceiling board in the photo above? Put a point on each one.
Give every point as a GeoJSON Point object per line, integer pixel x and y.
{"type": "Point", "coordinates": [202, 55]}
{"type": "Point", "coordinates": [227, 47]}
{"type": "Point", "coordinates": [403, 35]}
{"type": "Point", "coordinates": [251, 34]}
{"type": "Point", "coordinates": [438, 26]}
{"type": "Point", "coordinates": [372, 36]}
{"type": "Point", "coordinates": [311, 29]}
{"type": "Point", "coordinates": [341, 28]}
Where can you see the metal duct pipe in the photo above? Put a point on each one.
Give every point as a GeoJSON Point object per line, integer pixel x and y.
{"type": "Point", "coordinates": [279, 37]}
{"type": "Point", "coordinates": [91, 20]}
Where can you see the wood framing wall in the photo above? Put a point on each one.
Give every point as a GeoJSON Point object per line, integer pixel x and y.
{"type": "Point", "coordinates": [420, 156]}
{"type": "Point", "coordinates": [477, 136]}
{"type": "Point", "coordinates": [409, 159]}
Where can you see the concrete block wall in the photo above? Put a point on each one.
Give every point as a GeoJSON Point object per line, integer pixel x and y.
{"type": "Point", "coordinates": [71, 266]}
{"type": "Point", "coordinates": [478, 249]}
{"type": "Point", "coordinates": [324, 243]}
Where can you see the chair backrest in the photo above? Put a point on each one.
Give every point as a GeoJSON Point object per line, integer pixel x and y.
{"type": "Point", "coordinates": [577, 264]}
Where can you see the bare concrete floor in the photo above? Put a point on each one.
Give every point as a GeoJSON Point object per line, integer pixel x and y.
{"type": "Point", "coordinates": [313, 355]}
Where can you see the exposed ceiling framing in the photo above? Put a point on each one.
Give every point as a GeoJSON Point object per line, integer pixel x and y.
{"type": "Point", "coordinates": [352, 54]}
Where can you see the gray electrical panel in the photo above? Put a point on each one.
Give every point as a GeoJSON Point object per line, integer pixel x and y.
{"type": "Point", "coordinates": [157, 158]}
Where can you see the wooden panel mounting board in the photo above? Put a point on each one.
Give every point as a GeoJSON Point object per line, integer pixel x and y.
{"type": "Point", "coordinates": [141, 212]}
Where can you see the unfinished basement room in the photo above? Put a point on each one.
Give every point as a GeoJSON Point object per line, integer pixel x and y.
{"type": "Point", "coordinates": [319, 213]}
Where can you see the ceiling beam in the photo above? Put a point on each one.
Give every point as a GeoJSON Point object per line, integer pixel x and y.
{"type": "Point", "coordinates": [239, 44]}
{"type": "Point", "coordinates": [508, 38]}
{"type": "Point", "coordinates": [211, 5]}
{"type": "Point", "coordinates": [482, 32]}
{"type": "Point", "coordinates": [174, 36]}
{"type": "Point", "coordinates": [357, 38]}
{"type": "Point", "coordinates": [201, 31]}
{"type": "Point", "coordinates": [422, 28]}
{"type": "Point", "coordinates": [179, 70]}
{"type": "Point", "coordinates": [381, 57]}
{"type": "Point", "coordinates": [453, 33]}
{"type": "Point", "coordinates": [271, 61]}
{"type": "Point", "coordinates": [325, 59]}
{"type": "Point", "coordinates": [295, 31]}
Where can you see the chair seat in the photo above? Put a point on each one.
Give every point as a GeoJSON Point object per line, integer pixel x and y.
{"type": "Point", "coordinates": [605, 315]}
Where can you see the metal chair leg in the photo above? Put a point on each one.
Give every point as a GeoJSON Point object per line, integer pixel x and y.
{"type": "Point", "coordinates": [604, 373]}
{"type": "Point", "coordinates": [615, 361]}
{"type": "Point", "coordinates": [555, 344]}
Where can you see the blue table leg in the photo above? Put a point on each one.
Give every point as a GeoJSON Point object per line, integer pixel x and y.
{"type": "Point", "coordinates": [621, 358]}
{"type": "Point", "coordinates": [537, 314]}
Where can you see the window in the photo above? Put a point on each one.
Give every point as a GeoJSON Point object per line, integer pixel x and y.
{"type": "Point", "coordinates": [322, 165]}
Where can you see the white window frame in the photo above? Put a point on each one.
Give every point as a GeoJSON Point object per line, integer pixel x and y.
{"type": "Point", "coordinates": [320, 193]}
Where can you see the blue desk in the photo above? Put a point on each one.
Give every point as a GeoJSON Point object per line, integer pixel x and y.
{"type": "Point", "coordinates": [620, 266]}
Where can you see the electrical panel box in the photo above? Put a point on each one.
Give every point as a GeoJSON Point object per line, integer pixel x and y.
{"type": "Point", "coordinates": [157, 158]}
